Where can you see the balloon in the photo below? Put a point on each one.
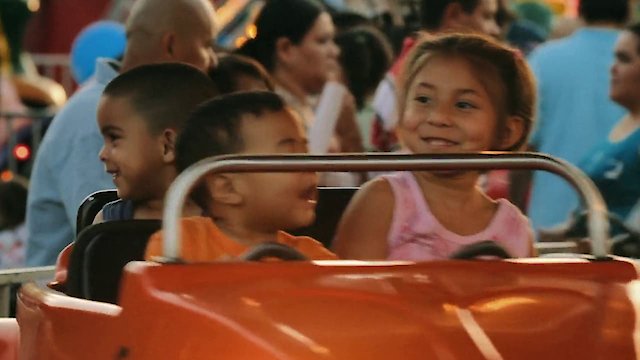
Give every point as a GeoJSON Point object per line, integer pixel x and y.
{"type": "Point", "coordinates": [99, 39]}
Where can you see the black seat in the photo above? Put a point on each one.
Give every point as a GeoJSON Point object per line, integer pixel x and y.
{"type": "Point", "coordinates": [100, 253]}
{"type": "Point", "coordinates": [332, 201]}
{"type": "Point", "coordinates": [91, 205]}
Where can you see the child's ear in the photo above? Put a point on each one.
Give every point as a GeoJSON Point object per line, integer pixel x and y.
{"type": "Point", "coordinates": [223, 190]}
{"type": "Point", "coordinates": [168, 42]}
{"type": "Point", "coordinates": [168, 143]}
{"type": "Point", "coordinates": [512, 133]}
{"type": "Point", "coordinates": [284, 49]}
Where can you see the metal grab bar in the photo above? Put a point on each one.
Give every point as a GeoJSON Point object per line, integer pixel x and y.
{"type": "Point", "coordinates": [597, 221]}
{"type": "Point", "coordinates": [18, 276]}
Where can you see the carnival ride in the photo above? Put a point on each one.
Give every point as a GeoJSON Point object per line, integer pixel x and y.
{"type": "Point", "coordinates": [568, 306]}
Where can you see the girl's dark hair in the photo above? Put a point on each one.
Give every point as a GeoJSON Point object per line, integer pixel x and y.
{"type": "Point", "coordinates": [495, 64]}
{"type": "Point", "coordinates": [13, 203]}
{"type": "Point", "coordinates": [230, 67]}
{"type": "Point", "coordinates": [291, 19]}
{"type": "Point", "coordinates": [365, 56]}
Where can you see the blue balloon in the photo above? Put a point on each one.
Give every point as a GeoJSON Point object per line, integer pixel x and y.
{"type": "Point", "coordinates": [99, 39]}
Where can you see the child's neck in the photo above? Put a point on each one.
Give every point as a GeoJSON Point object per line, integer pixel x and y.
{"type": "Point", "coordinates": [243, 234]}
{"type": "Point", "coordinates": [456, 201]}
{"type": "Point", "coordinates": [456, 187]}
{"type": "Point", "coordinates": [153, 209]}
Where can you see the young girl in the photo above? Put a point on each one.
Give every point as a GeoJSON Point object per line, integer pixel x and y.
{"type": "Point", "coordinates": [458, 93]}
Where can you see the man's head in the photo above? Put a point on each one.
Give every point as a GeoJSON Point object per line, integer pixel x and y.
{"type": "Point", "coordinates": [460, 15]}
{"type": "Point", "coordinates": [605, 11]}
{"type": "Point", "coordinates": [171, 31]}
{"type": "Point", "coordinates": [250, 123]}
{"type": "Point", "coordinates": [139, 115]}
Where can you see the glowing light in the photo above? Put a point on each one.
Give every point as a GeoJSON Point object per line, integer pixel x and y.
{"type": "Point", "coordinates": [33, 5]}
{"type": "Point", "coordinates": [6, 176]}
{"type": "Point", "coordinates": [22, 152]}
{"type": "Point", "coordinates": [240, 40]}
{"type": "Point", "coordinates": [252, 31]}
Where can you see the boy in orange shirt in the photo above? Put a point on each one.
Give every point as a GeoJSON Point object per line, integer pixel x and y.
{"type": "Point", "coordinates": [245, 209]}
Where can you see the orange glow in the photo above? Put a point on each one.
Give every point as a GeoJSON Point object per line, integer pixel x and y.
{"type": "Point", "coordinates": [252, 31]}
{"type": "Point", "coordinates": [6, 176]}
{"type": "Point", "coordinates": [239, 41]}
{"type": "Point", "coordinates": [22, 152]}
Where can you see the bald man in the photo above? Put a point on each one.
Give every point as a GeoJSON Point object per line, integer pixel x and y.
{"type": "Point", "coordinates": [67, 168]}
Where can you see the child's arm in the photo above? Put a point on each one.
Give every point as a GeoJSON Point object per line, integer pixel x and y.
{"type": "Point", "coordinates": [362, 232]}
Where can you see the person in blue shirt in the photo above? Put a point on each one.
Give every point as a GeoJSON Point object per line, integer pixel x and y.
{"type": "Point", "coordinates": [67, 168]}
{"type": "Point", "coordinates": [575, 112]}
{"type": "Point", "coordinates": [614, 164]}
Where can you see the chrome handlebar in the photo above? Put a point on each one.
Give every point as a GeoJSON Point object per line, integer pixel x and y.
{"type": "Point", "coordinates": [597, 221]}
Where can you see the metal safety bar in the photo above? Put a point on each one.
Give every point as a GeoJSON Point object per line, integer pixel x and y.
{"type": "Point", "coordinates": [18, 276]}
{"type": "Point", "coordinates": [597, 221]}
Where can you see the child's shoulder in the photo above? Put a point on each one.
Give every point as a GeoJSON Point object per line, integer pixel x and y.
{"type": "Point", "coordinates": [308, 246]}
{"type": "Point", "coordinates": [380, 186]}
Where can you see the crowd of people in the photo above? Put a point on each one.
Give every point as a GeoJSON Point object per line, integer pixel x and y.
{"type": "Point", "coordinates": [477, 75]}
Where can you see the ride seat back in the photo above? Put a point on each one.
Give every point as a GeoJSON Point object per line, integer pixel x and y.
{"type": "Point", "coordinates": [91, 205]}
{"type": "Point", "coordinates": [332, 201]}
{"type": "Point", "coordinates": [100, 254]}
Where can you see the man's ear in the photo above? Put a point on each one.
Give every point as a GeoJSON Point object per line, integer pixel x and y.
{"type": "Point", "coordinates": [284, 50]}
{"type": "Point", "coordinates": [512, 133]}
{"type": "Point", "coordinates": [168, 143]}
{"type": "Point", "coordinates": [451, 16]}
{"type": "Point", "coordinates": [223, 190]}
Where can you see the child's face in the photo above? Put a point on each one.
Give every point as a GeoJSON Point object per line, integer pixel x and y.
{"type": "Point", "coordinates": [448, 110]}
{"type": "Point", "coordinates": [130, 153]}
{"type": "Point", "coordinates": [276, 201]}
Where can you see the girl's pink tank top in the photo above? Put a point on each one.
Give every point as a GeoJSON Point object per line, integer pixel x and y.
{"type": "Point", "coordinates": [417, 235]}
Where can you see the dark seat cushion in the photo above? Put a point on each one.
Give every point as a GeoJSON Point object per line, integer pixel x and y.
{"type": "Point", "coordinates": [91, 205]}
{"type": "Point", "coordinates": [100, 254]}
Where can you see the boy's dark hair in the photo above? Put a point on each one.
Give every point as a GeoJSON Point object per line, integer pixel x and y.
{"type": "Point", "coordinates": [432, 11]}
{"type": "Point", "coordinates": [592, 11]}
{"type": "Point", "coordinates": [13, 203]}
{"type": "Point", "coordinates": [162, 94]}
{"type": "Point", "coordinates": [214, 129]}
{"type": "Point", "coordinates": [365, 56]}
{"type": "Point", "coordinates": [230, 67]}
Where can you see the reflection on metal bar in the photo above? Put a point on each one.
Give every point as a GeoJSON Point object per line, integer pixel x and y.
{"type": "Point", "coordinates": [18, 276]}
{"type": "Point", "coordinates": [597, 223]}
